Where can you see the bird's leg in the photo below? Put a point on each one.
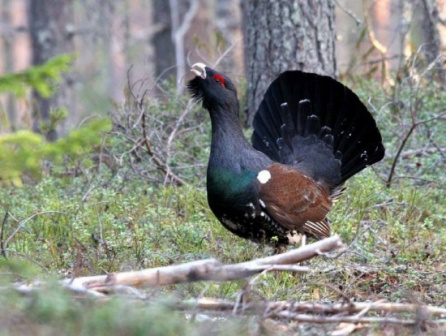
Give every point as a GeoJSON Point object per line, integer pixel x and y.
{"type": "Point", "coordinates": [303, 240]}
{"type": "Point", "coordinates": [279, 248]}
{"type": "Point", "coordinates": [294, 238]}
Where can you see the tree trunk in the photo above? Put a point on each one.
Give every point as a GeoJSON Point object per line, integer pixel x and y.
{"type": "Point", "coordinates": [8, 58]}
{"type": "Point", "coordinates": [51, 25]}
{"type": "Point", "coordinates": [431, 36]}
{"type": "Point", "coordinates": [283, 35]}
{"type": "Point", "coordinates": [162, 41]}
{"type": "Point", "coordinates": [178, 17]}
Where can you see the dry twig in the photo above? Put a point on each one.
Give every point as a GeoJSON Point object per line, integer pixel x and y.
{"type": "Point", "coordinates": [421, 151]}
{"type": "Point", "coordinates": [2, 234]}
{"type": "Point", "coordinates": [159, 164]}
{"type": "Point", "coordinates": [415, 124]}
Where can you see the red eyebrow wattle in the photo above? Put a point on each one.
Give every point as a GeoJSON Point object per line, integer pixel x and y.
{"type": "Point", "coordinates": [220, 78]}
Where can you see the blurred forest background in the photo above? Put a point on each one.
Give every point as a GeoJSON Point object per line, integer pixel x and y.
{"type": "Point", "coordinates": [119, 42]}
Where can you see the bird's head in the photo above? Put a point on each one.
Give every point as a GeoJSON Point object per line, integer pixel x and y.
{"type": "Point", "coordinates": [212, 87]}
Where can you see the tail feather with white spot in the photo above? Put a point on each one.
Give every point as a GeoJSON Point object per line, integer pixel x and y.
{"type": "Point", "coordinates": [318, 125]}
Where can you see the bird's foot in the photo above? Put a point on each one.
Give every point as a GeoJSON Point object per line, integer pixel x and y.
{"type": "Point", "coordinates": [295, 238]}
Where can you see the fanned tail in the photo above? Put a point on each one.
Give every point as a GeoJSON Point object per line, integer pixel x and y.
{"type": "Point", "coordinates": [317, 124]}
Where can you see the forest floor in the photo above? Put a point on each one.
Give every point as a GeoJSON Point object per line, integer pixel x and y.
{"type": "Point", "coordinates": [63, 227]}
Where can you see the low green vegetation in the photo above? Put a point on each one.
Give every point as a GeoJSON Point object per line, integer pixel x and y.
{"type": "Point", "coordinates": [97, 202]}
{"type": "Point", "coordinates": [41, 78]}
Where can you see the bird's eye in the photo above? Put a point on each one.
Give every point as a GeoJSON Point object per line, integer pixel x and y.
{"type": "Point", "coordinates": [220, 80]}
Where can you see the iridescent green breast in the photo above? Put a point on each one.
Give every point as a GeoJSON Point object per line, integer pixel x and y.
{"type": "Point", "coordinates": [225, 186]}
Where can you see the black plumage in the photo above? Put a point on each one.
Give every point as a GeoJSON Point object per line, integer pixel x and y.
{"type": "Point", "coordinates": [311, 133]}
{"type": "Point", "coordinates": [327, 110]}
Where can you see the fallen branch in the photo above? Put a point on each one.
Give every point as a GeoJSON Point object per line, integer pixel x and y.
{"type": "Point", "coordinates": [206, 270]}
{"type": "Point", "coordinates": [311, 312]}
{"type": "Point", "coordinates": [340, 319]}
{"type": "Point", "coordinates": [127, 283]}
{"type": "Point", "coordinates": [211, 304]}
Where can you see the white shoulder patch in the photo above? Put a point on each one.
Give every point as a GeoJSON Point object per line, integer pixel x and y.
{"type": "Point", "coordinates": [264, 176]}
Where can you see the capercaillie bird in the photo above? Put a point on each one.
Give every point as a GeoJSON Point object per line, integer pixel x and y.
{"type": "Point", "coordinates": [311, 134]}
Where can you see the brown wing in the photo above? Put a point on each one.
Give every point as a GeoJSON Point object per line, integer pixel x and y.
{"type": "Point", "coordinates": [295, 200]}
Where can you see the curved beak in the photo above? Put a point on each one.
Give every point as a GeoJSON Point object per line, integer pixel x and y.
{"type": "Point", "coordinates": [199, 69]}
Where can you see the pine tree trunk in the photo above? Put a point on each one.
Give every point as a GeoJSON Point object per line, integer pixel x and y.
{"type": "Point", "coordinates": [162, 41]}
{"type": "Point", "coordinates": [8, 59]}
{"type": "Point", "coordinates": [283, 35]}
{"type": "Point", "coordinates": [51, 26]}
{"type": "Point", "coordinates": [432, 37]}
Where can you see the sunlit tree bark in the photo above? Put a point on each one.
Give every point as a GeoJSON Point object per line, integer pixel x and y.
{"type": "Point", "coordinates": [283, 35]}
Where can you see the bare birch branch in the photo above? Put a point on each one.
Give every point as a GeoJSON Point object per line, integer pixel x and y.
{"type": "Point", "coordinates": [178, 33]}
{"type": "Point", "coordinates": [211, 304]}
{"type": "Point", "coordinates": [209, 270]}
